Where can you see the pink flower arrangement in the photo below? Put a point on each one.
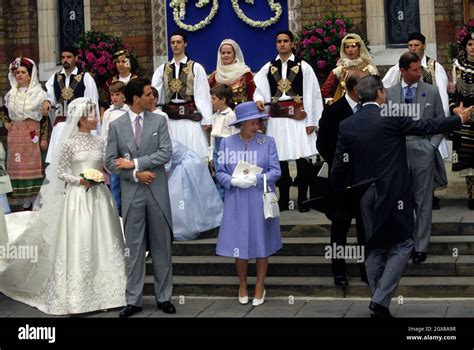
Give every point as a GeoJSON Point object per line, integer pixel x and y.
{"type": "Point", "coordinates": [319, 43]}
{"type": "Point", "coordinates": [96, 50]}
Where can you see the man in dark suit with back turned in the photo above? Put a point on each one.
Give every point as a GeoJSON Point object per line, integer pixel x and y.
{"type": "Point", "coordinates": [326, 143]}
{"type": "Point", "coordinates": [371, 144]}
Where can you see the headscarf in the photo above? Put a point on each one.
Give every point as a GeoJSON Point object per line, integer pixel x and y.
{"type": "Point", "coordinates": [24, 105]}
{"type": "Point", "coordinates": [462, 52]}
{"type": "Point", "coordinates": [461, 63]}
{"type": "Point", "coordinates": [227, 74]}
{"type": "Point", "coordinates": [364, 55]}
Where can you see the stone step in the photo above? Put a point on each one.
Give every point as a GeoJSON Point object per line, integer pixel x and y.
{"type": "Point", "coordinates": [312, 266]}
{"type": "Point", "coordinates": [316, 246]}
{"type": "Point", "coordinates": [285, 286]}
{"type": "Point", "coordinates": [324, 230]}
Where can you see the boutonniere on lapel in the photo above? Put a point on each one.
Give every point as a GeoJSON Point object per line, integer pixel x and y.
{"type": "Point", "coordinates": [261, 140]}
{"type": "Point", "coordinates": [423, 94]}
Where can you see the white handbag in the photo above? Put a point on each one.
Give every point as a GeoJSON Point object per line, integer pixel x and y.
{"type": "Point", "coordinates": [270, 201]}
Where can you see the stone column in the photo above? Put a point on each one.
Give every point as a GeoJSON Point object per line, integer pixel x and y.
{"type": "Point", "coordinates": [47, 37]}
{"type": "Point", "coordinates": [294, 16]}
{"type": "Point", "coordinates": [160, 35]}
{"type": "Point", "coordinates": [427, 26]}
{"type": "Point", "coordinates": [375, 11]}
{"type": "Point", "coordinates": [87, 15]}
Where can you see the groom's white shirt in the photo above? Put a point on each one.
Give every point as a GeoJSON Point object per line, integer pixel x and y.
{"type": "Point", "coordinates": [134, 116]}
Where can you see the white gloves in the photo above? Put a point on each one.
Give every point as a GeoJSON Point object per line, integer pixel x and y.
{"type": "Point", "coordinates": [246, 181]}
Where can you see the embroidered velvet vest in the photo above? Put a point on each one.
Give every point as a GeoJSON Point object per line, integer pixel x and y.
{"type": "Point", "coordinates": [181, 88]}
{"type": "Point", "coordinates": [75, 89]}
{"type": "Point", "coordinates": [292, 85]}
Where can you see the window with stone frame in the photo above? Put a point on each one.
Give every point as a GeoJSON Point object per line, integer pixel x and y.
{"type": "Point", "coordinates": [402, 17]}
{"type": "Point", "coordinates": [50, 32]}
{"type": "Point", "coordinates": [71, 21]}
{"type": "Point", "coordinates": [468, 10]}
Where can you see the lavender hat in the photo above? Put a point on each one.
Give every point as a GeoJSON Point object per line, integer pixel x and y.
{"type": "Point", "coordinates": [247, 111]}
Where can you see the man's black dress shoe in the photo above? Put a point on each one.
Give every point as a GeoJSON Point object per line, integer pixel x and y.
{"type": "Point", "coordinates": [129, 310]}
{"type": "Point", "coordinates": [470, 204]}
{"type": "Point", "coordinates": [419, 257]}
{"type": "Point", "coordinates": [167, 307]}
{"type": "Point", "coordinates": [341, 280]}
{"type": "Point", "coordinates": [283, 206]}
{"type": "Point", "coordinates": [303, 208]}
{"type": "Point", "coordinates": [379, 311]}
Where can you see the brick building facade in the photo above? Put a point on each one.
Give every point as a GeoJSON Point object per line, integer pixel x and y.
{"type": "Point", "coordinates": [129, 20]}
{"type": "Point", "coordinates": [18, 35]}
{"type": "Point", "coordinates": [315, 10]}
{"type": "Point", "coordinates": [26, 24]}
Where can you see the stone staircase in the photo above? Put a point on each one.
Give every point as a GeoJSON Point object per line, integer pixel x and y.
{"type": "Point", "coordinates": [300, 268]}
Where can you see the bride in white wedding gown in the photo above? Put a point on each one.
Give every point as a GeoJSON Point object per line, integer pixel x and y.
{"type": "Point", "coordinates": [79, 266]}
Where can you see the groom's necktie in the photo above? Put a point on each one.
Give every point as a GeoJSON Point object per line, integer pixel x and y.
{"type": "Point", "coordinates": [138, 130]}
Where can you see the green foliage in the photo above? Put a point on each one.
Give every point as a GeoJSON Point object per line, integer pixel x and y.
{"type": "Point", "coordinates": [96, 50]}
{"type": "Point", "coordinates": [320, 43]}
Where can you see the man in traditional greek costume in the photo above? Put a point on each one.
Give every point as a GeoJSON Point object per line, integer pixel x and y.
{"type": "Point", "coordinates": [64, 87]}
{"type": "Point", "coordinates": [184, 93]}
{"type": "Point", "coordinates": [292, 89]}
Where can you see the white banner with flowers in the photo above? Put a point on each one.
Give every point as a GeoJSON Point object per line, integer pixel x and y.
{"type": "Point", "coordinates": [179, 13]}
{"type": "Point", "coordinates": [251, 23]}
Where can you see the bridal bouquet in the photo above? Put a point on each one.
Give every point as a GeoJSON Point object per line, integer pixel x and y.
{"type": "Point", "coordinates": [93, 176]}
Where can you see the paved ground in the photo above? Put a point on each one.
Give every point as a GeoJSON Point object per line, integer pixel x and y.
{"type": "Point", "coordinates": [193, 307]}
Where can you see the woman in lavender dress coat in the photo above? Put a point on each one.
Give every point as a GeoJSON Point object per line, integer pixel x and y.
{"type": "Point", "coordinates": [244, 233]}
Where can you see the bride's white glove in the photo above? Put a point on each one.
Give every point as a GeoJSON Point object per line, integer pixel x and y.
{"type": "Point", "coordinates": [246, 181]}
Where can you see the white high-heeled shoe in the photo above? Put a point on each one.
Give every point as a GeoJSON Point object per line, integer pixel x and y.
{"type": "Point", "coordinates": [243, 300]}
{"type": "Point", "coordinates": [257, 302]}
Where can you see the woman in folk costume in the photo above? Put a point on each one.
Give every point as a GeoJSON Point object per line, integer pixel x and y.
{"type": "Point", "coordinates": [245, 233]}
{"type": "Point", "coordinates": [24, 102]}
{"type": "Point", "coordinates": [79, 265]}
{"type": "Point", "coordinates": [354, 56]}
{"type": "Point", "coordinates": [232, 71]}
{"type": "Point", "coordinates": [462, 96]}
{"type": "Point", "coordinates": [122, 60]}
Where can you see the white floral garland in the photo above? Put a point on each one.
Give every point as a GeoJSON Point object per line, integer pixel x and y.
{"type": "Point", "coordinates": [179, 12]}
{"type": "Point", "coordinates": [258, 24]}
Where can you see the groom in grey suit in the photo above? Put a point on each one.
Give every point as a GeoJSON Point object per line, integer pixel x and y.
{"type": "Point", "coordinates": [424, 159]}
{"type": "Point", "coordinates": [137, 148]}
